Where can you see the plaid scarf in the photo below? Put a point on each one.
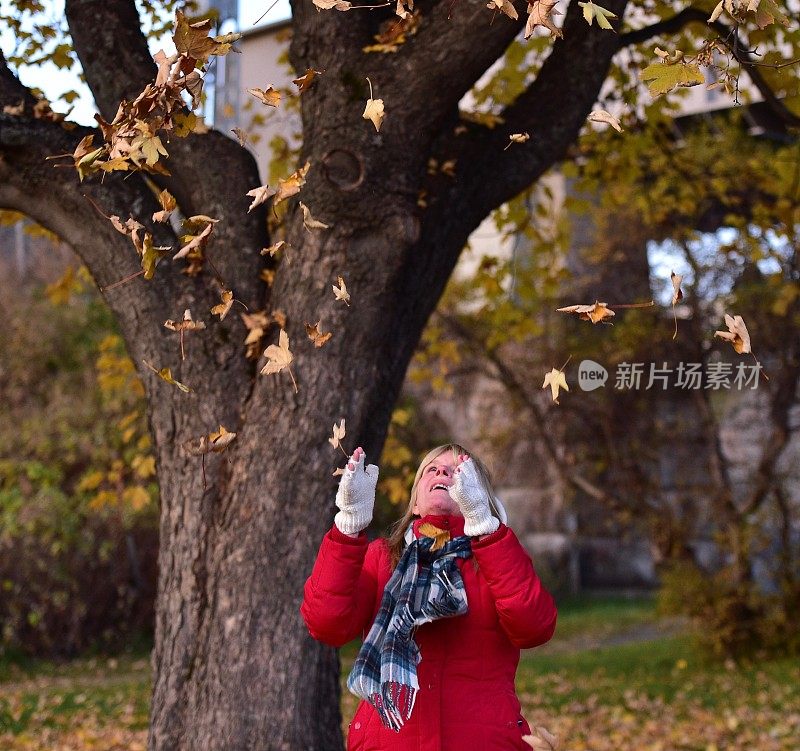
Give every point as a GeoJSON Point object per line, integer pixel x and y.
{"type": "Point", "coordinates": [426, 585]}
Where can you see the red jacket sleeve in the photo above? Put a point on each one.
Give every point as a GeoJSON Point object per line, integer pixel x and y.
{"type": "Point", "coordinates": [339, 596]}
{"type": "Point", "coordinates": [526, 610]}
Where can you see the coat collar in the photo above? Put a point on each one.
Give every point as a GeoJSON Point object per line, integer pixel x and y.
{"type": "Point", "coordinates": [452, 522]}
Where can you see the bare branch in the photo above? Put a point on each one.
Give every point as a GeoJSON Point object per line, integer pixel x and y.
{"type": "Point", "coordinates": [667, 26]}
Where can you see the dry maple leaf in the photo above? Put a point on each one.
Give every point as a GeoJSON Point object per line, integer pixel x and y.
{"type": "Point", "coordinates": [187, 324]}
{"type": "Point", "coordinates": [374, 109]}
{"type": "Point", "coordinates": [556, 380]}
{"type": "Point", "coordinates": [274, 248]}
{"type": "Point", "coordinates": [341, 292]}
{"type": "Point", "coordinates": [539, 13]}
{"type": "Point", "coordinates": [517, 138]}
{"type": "Point", "coordinates": [315, 335]}
{"type": "Point", "coordinates": [737, 334]}
{"type": "Point", "coordinates": [338, 434]}
{"type": "Point", "coordinates": [279, 357]}
{"type": "Point", "coordinates": [309, 222]}
{"type": "Point", "coordinates": [541, 739]}
{"type": "Point", "coordinates": [269, 96]}
{"type": "Point", "coordinates": [328, 4]}
{"type": "Point", "coordinates": [166, 374]}
{"type": "Point", "coordinates": [305, 81]}
{"type": "Point", "coordinates": [677, 294]}
{"type": "Point", "coordinates": [601, 116]}
{"type": "Point", "coordinates": [594, 313]}
{"type": "Point", "coordinates": [259, 195]}
{"type": "Point", "coordinates": [505, 6]}
{"type": "Point", "coordinates": [168, 205]}
{"type": "Point", "coordinates": [222, 308]}
{"type": "Point", "coordinates": [291, 185]}
{"type": "Point", "coordinates": [217, 441]}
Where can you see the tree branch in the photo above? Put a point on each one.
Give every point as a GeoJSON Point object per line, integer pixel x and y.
{"type": "Point", "coordinates": [211, 173]}
{"type": "Point", "coordinates": [667, 26]}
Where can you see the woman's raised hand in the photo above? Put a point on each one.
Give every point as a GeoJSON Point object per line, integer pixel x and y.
{"type": "Point", "coordinates": [472, 497]}
{"type": "Point", "coordinates": [355, 497]}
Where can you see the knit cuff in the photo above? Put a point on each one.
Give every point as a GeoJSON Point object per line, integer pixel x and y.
{"type": "Point", "coordinates": [337, 535]}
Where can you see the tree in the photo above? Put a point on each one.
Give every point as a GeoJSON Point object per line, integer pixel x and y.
{"type": "Point", "coordinates": [233, 665]}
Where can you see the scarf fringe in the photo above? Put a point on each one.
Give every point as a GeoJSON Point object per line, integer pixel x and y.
{"type": "Point", "coordinates": [394, 704]}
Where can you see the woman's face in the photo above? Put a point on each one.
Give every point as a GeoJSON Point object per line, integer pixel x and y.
{"type": "Point", "coordinates": [432, 495]}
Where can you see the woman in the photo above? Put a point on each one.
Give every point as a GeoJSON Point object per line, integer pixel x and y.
{"type": "Point", "coordinates": [442, 633]}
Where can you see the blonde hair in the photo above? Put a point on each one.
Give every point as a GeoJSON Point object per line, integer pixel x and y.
{"type": "Point", "coordinates": [397, 533]}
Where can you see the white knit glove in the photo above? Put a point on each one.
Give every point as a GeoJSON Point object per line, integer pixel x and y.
{"type": "Point", "coordinates": [356, 495]}
{"type": "Point", "coordinates": [473, 500]}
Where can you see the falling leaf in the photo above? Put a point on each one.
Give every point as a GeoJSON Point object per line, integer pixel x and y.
{"type": "Point", "coordinates": [737, 334]}
{"type": "Point", "coordinates": [539, 13]}
{"type": "Point", "coordinates": [341, 292]}
{"type": "Point", "coordinates": [309, 222]}
{"type": "Point", "coordinates": [315, 335]}
{"type": "Point", "coordinates": [601, 116]}
{"type": "Point", "coordinates": [192, 39]}
{"type": "Point", "coordinates": [556, 380]}
{"type": "Point", "coordinates": [338, 434]}
{"type": "Point", "coordinates": [505, 6]}
{"type": "Point", "coordinates": [217, 441]}
{"type": "Point", "coordinates": [594, 313]}
{"type": "Point", "coordinates": [168, 205]}
{"type": "Point", "coordinates": [242, 135]}
{"type": "Point", "coordinates": [374, 109]}
{"type": "Point", "coordinates": [273, 249]}
{"type": "Point", "coordinates": [541, 739]}
{"type": "Point", "coordinates": [305, 81]}
{"type": "Point", "coordinates": [259, 195]}
{"type": "Point", "coordinates": [268, 96]}
{"type": "Point", "coordinates": [187, 324]}
{"type": "Point", "coordinates": [338, 471]}
{"type": "Point", "coordinates": [222, 308]}
{"type": "Point", "coordinates": [677, 294]}
{"type": "Point", "coordinates": [279, 357]}
{"type": "Point", "coordinates": [593, 12]}
{"type": "Point", "coordinates": [328, 4]}
{"type": "Point", "coordinates": [517, 138]}
{"type": "Point", "coordinates": [166, 374]}
{"type": "Point", "coordinates": [291, 185]}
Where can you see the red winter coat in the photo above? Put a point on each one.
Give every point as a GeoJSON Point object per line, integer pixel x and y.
{"type": "Point", "coordinates": [466, 700]}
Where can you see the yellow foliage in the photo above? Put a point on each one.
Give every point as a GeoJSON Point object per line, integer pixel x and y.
{"type": "Point", "coordinates": [144, 466]}
{"type": "Point", "coordinates": [136, 497]}
{"type": "Point", "coordinates": [91, 481]}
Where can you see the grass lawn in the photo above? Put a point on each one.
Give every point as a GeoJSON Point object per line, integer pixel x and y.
{"type": "Point", "coordinates": [620, 692]}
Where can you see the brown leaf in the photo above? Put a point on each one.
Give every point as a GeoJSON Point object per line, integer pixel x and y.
{"type": "Point", "coordinates": [304, 82]}
{"type": "Point", "coordinates": [539, 13]}
{"type": "Point", "coordinates": [309, 222]}
{"type": "Point", "coordinates": [291, 185]}
{"type": "Point", "coordinates": [279, 357]}
{"type": "Point", "coordinates": [341, 292]}
{"type": "Point", "coordinates": [315, 335]}
{"type": "Point", "coordinates": [594, 313]}
{"type": "Point", "coordinates": [268, 96]}
{"type": "Point", "coordinates": [737, 334]}
{"type": "Point", "coordinates": [505, 6]}
{"type": "Point", "coordinates": [168, 205]}
{"type": "Point", "coordinates": [338, 434]}
{"type": "Point", "coordinates": [259, 195]}
{"type": "Point", "coordinates": [222, 308]}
